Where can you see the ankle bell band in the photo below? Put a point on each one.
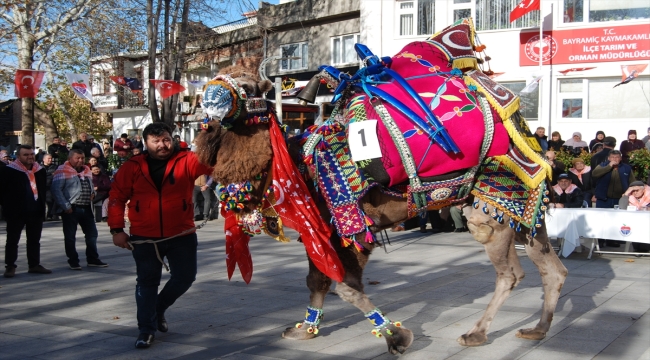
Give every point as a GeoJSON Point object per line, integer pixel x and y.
{"type": "Point", "coordinates": [377, 319]}
{"type": "Point", "coordinates": [313, 316]}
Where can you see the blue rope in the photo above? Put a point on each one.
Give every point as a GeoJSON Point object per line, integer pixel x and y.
{"type": "Point", "coordinates": [425, 155]}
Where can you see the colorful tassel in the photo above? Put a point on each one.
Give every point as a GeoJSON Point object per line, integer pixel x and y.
{"type": "Point", "coordinates": [370, 237]}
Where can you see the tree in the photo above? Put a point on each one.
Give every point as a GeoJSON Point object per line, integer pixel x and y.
{"type": "Point", "coordinates": [33, 25]}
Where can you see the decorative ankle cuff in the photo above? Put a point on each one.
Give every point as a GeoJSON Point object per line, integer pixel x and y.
{"type": "Point", "coordinates": [380, 322]}
{"type": "Point", "coordinates": [313, 317]}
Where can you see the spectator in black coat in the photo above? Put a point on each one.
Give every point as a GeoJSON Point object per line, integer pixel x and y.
{"type": "Point", "coordinates": [566, 194]}
{"type": "Point", "coordinates": [58, 151]}
{"type": "Point", "coordinates": [600, 136]}
{"type": "Point", "coordinates": [556, 141]}
{"type": "Point", "coordinates": [22, 196]}
{"type": "Point", "coordinates": [84, 144]}
{"type": "Point", "coordinates": [50, 168]}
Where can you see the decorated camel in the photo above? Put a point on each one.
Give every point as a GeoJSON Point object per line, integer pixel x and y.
{"type": "Point", "coordinates": [422, 130]}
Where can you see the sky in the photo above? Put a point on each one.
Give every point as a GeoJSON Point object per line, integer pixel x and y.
{"type": "Point", "coordinates": [234, 14]}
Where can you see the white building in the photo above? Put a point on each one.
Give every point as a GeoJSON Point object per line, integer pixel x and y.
{"type": "Point", "coordinates": [598, 34]}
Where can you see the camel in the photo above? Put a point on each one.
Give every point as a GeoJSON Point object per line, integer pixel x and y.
{"type": "Point", "coordinates": [240, 142]}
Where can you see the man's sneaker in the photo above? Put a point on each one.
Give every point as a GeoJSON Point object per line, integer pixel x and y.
{"type": "Point", "coordinates": [75, 266]}
{"type": "Point", "coordinates": [39, 269]}
{"type": "Point", "coordinates": [10, 272]}
{"type": "Point", "coordinates": [97, 263]}
{"type": "Point", "coordinates": [144, 341]}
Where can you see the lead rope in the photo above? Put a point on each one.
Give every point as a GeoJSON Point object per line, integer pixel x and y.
{"type": "Point", "coordinates": [155, 242]}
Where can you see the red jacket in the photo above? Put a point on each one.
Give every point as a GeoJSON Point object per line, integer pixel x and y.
{"type": "Point", "coordinates": [153, 213]}
{"type": "Point", "coordinates": [119, 144]}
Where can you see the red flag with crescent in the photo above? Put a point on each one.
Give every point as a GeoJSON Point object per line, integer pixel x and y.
{"type": "Point", "coordinates": [167, 88]}
{"type": "Point", "coordinates": [28, 82]}
{"type": "Point", "coordinates": [298, 211]}
{"type": "Point", "coordinates": [523, 8]}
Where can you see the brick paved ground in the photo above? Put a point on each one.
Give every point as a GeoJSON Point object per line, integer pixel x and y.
{"type": "Point", "coordinates": [438, 285]}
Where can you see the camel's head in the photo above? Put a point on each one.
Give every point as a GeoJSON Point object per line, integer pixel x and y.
{"type": "Point", "coordinates": [232, 99]}
{"type": "Point", "coordinates": [235, 142]}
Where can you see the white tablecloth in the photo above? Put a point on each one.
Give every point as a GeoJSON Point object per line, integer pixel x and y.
{"type": "Point", "coordinates": [571, 224]}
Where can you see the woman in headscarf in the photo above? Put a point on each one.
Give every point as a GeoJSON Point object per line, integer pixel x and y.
{"type": "Point", "coordinates": [580, 175]}
{"type": "Point", "coordinates": [600, 136]}
{"type": "Point", "coordinates": [575, 144]}
{"type": "Point", "coordinates": [556, 141]}
{"type": "Point", "coordinates": [629, 145]}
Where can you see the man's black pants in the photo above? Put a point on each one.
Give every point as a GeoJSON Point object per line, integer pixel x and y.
{"type": "Point", "coordinates": [34, 227]}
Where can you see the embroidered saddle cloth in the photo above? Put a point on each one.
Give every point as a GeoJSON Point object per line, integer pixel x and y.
{"type": "Point", "coordinates": [427, 69]}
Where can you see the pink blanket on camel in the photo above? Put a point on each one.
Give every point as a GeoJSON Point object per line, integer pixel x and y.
{"type": "Point", "coordinates": [421, 64]}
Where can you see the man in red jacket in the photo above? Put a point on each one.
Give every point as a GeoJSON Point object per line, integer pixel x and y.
{"type": "Point", "coordinates": [141, 181]}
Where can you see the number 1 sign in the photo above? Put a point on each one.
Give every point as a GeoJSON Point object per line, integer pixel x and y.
{"type": "Point", "coordinates": [362, 137]}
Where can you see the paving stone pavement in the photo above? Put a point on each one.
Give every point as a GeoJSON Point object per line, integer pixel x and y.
{"type": "Point", "coordinates": [437, 284]}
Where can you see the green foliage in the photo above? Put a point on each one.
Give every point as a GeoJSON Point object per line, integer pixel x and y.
{"type": "Point", "coordinates": [640, 161]}
{"type": "Point", "coordinates": [114, 162]}
{"type": "Point", "coordinates": [567, 157]}
{"type": "Point", "coordinates": [82, 116]}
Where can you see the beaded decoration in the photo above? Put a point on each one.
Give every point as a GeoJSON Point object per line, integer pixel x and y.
{"type": "Point", "coordinates": [380, 322]}
{"type": "Point", "coordinates": [313, 317]}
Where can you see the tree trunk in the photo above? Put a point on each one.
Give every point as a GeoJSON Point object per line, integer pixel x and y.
{"type": "Point", "coordinates": [44, 119]}
{"type": "Point", "coordinates": [152, 33]}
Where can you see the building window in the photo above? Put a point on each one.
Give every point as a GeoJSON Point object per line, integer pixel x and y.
{"type": "Point", "coordinates": [571, 97]}
{"type": "Point", "coordinates": [298, 54]}
{"type": "Point", "coordinates": [528, 103]}
{"type": "Point", "coordinates": [623, 102]}
{"type": "Point", "coordinates": [343, 49]}
{"type": "Point", "coordinates": [605, 10]}
{"type": "Point", "coordinates": [495, 15]}
{"type": "Point", "coordinates": [416, 17]}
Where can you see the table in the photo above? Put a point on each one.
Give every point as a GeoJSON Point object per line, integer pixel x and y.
{"type": "Point", "coordinates": [592, 223]}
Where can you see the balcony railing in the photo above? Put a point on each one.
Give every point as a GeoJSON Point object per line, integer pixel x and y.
{"type": "Point", "coordinates": [241, 23]}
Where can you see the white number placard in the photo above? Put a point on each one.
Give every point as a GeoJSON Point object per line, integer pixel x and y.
{"type": "Point", "coordinates": [362, 137]}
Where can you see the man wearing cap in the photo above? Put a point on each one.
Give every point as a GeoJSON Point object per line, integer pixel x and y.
{"type": "Point", "coordinates": [609, 143]}
{"type": "Point", "coordinates": [566, 194]}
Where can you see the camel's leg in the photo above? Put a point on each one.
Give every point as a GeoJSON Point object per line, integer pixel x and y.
{"type": "Point", "coordinates": [398, 338]}
{"type": "Point", "coordinates": [553, 275]}
{"type": "Point", "coordinates": [318, 285]}
{"type": "Point", "coordinates": [498, 240]}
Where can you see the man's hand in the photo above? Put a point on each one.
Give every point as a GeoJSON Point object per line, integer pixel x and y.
{"type": "Point", "coordinates": [121, 240]}
{"type": "Point", "coordinates": [204, 187]}
{"type": "Point", "coordinates": [559, 206]}
{"type": "Point", "coordinates": [69, 211]}
{"type": "Point", "coordinates": [613, 163]}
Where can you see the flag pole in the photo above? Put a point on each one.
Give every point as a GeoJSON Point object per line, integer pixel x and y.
{"type": "Point", "coordinates": [33, 127]}
{"type": "Point", "coordinates": [541, 47]}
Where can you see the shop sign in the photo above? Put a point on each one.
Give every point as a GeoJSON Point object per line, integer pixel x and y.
{"type": "Point", "coordinates": [575, 46]}
{"type": "Point", "coordinates": [105, 101]}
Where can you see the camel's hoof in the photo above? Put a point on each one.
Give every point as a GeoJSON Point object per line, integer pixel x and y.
{"type": "Point", "coordinates": [531, 334]}
{"type": "Point", "coordinates": [474, 339]}
{"type": "Point", "coordinates": [399, 340]}
{"type": "Point", "coordinates": [294, 333]}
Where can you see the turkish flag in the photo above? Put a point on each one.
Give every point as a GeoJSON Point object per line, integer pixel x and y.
{"type": "Point", "coordinates": [564, 72]}
{"type": "Point", "coordinates": [631, 72]}
{"type": "Point", "coordinates": [296, 208]}
{"type": "Point", "coordinates": [167, 88]}
{"type": "Point", "coordinates": [27, 83]}
{"type": "Point", "coordinates": [523, 8]}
